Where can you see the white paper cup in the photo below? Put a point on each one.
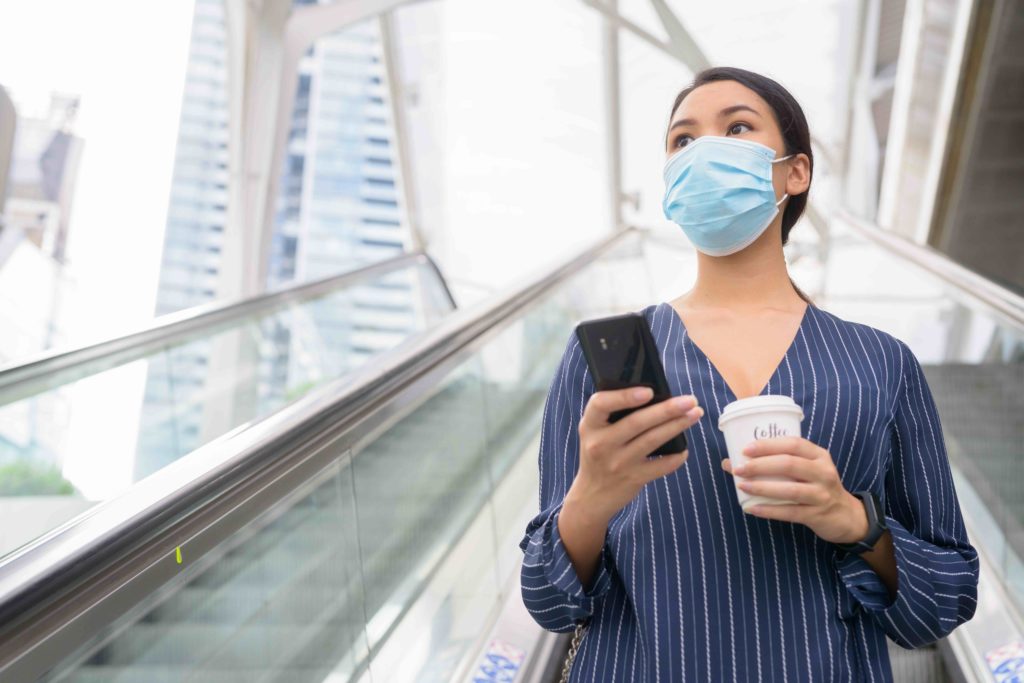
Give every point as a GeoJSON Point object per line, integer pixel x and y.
{"type": "Point", "coordinates": [758, 417]}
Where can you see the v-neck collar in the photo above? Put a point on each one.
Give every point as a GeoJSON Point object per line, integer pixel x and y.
{"type": "Point", "coordinates": [732, 394]}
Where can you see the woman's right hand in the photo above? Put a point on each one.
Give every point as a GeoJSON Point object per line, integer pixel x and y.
{"type": "Point", "coordinates": [613, 456]}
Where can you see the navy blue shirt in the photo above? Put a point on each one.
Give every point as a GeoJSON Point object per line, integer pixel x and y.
{"type": "Point", "coordinates": [690, 588]}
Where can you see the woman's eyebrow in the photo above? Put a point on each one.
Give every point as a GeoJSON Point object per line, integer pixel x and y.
{"type": "Point", "coordinates": [725, 112]}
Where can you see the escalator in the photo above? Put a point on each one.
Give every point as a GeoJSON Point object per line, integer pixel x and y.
{"type": "Point", "coordinates": [365, 525]}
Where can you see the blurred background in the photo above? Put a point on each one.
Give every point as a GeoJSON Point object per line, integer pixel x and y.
{"type": "Point", "coordinates": [265, 250]}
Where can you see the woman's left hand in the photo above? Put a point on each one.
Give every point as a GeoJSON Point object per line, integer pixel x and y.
{"type": "Point", "coordinates": [822, 503]}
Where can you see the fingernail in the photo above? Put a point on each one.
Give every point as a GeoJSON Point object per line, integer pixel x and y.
{"type": "Point", "coordinates": [749, 448]}
{"type": "Point", "coordinates": [740, 470]}
{"type": "Point", "coordinates": [642, 392]}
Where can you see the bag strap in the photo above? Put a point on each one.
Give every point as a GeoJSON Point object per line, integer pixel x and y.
{"type": "Point", "coordinates": [573, 647]}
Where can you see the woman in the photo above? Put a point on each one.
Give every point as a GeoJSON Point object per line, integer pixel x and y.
{"type": "Point", "coordinates": [677, 582]}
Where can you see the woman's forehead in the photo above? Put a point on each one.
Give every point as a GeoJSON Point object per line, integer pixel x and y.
{"type": "Point", "coordinates": [706, 101]}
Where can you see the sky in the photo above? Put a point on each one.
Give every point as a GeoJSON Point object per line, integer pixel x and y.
{"type": "Point", "coordinates": [130, 83]}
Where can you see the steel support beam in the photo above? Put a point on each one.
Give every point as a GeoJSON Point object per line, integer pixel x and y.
{"type": "Point", "coordinates": [397, 101]}
{"type": "Point", "coordinates": [613, 114]}
{"type": "Point", "coordinates": [681, 52]}
{"type": "Point", "coordinates": [680, 39]}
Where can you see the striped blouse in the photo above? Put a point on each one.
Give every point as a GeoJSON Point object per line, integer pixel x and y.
{"type": "Point", "coordinates": [690, 588]}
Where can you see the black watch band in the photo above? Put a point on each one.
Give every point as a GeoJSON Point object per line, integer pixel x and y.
{"type": "Point", "coordinates": [876, 524]}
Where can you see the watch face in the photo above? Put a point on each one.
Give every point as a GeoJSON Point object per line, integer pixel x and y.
{"type": "Point", "coordinates": [879, 511]}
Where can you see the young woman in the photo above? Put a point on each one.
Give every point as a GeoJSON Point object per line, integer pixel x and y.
{"type": "Point", "coordinates": [674, 581]}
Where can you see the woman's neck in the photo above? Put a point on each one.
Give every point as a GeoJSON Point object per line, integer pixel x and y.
{"type": "Point", "coordinates": [750, 280]}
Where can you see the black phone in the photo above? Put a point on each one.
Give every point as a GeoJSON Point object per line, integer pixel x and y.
{"type": "Point", "coordinates": [620, 352]}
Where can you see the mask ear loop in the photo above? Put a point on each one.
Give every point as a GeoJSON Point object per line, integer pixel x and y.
{"type": "Point", "coordinates": [784, 194]}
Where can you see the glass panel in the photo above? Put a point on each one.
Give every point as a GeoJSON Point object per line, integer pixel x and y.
{"type": "Point", "coordinates": [113, 151]}
{"type": "Point", "coordinates": [65, 449]}
{"type": "Point", "coordinates": [437, 451]}
{"type": "Point", "coordinates": [650, 81]}
{"type": "Point", "coordinates": [431, 506]}
{"type": "Point", "coordinates": [508, 147]}
{"type": "Point", "coordinates": [419, 488]}
{"type": "Point", "coordinates": [338, 199]}
{"type": "Point", "coordinates": [282, 600]}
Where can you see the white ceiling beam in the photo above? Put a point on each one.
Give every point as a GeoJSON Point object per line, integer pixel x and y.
{"type": "Point", "coordinates": [613, 116]}
{"type": "Point", "coordinates": [397, 102]}
{"type": "Point", "coordinates": [680, 39]}
{"type": "Point", "coordinates": [620, 21]}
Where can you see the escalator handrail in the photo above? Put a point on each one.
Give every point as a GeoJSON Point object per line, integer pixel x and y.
{"type": "Point", "coordinates": [993, 295]}
{"type": "Point", "coordinates": [54, 368]}
{"type": "Point", "coordinates": [42, 584]}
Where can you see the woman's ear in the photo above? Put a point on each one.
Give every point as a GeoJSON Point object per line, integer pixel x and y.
{"type": "Point", "coordinates": [799, 177]}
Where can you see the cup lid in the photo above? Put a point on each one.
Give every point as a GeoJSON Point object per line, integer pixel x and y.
{"type": "Point", "coordinates": [768, 402]}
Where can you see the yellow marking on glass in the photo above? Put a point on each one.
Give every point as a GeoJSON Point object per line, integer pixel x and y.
{"type": "Point", "coordinates": [177, 554]}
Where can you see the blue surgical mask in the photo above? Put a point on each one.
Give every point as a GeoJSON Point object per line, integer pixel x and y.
{"type": "Point", "coordinates": [719, 191]}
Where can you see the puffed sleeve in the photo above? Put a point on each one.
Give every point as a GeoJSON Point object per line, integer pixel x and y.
{"type": "Point", "coordinates": [551, 589]}
{"type": "Point", "coordinates": [937, 567]}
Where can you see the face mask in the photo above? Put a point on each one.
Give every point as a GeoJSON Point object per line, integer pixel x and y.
{"type": "Point", "coordinates": [719, 191]}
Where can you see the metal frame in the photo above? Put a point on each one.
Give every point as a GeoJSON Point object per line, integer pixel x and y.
{"type": "Point", "coordinates": [944, 118]}
{"type": "Point", "coordinates": [303, 27]}
{"type": "Point", "coordinates": [55, 368]}
{"type": "Point", "coordinates": [613, 112]}
{"type": "Point", "coordinates": [53, 593]}
{"type": "Point", "coordinates": [993, 13]}
{"type": "Point", "coordinates": [906, 64]}
{"type": "Point", "coordinates": [903, 94]}
{"type": "Point", "coordinates": [1002, 301]}
{"type": "Point", "coordinates": [406, 181]}
{"type": "Point", "coordinates": [681, 45]}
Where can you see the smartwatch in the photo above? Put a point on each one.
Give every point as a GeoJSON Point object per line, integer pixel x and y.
{"type": "Point", "coordinates": [876, 524]}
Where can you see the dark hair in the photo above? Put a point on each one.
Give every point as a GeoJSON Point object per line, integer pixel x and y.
{"type": "Point", "coordinates": [796, 136]}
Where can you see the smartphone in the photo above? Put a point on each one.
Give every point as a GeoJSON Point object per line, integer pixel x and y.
{"type": "Point", "coordinates": [620, 352]}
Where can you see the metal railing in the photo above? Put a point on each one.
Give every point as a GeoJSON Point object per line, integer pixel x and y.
{"type": "Point", "coordinates": [88, 572]}
{"type": "Point", "coordinates": [57, 367]}
{"type": "Point", "coordinates": [1005, 302]}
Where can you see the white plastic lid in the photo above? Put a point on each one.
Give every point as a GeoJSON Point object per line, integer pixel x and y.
{"type": "Point", "coordinates": [752, 404]}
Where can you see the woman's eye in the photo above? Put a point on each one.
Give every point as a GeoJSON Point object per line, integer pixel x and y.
{"type": "Point", "coordinates": [734, 128]}
{"type": "Point", "coordinates": [676, 144]}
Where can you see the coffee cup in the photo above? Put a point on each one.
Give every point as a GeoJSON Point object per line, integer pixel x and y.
{"type": "Point", "coordinates": [753, 418]}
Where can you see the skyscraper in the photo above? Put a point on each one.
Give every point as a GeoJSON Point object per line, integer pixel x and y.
{"type": "Point", "coordinates": [337, 206]}
{"type": "Point", "coordinates": [193, 240]}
